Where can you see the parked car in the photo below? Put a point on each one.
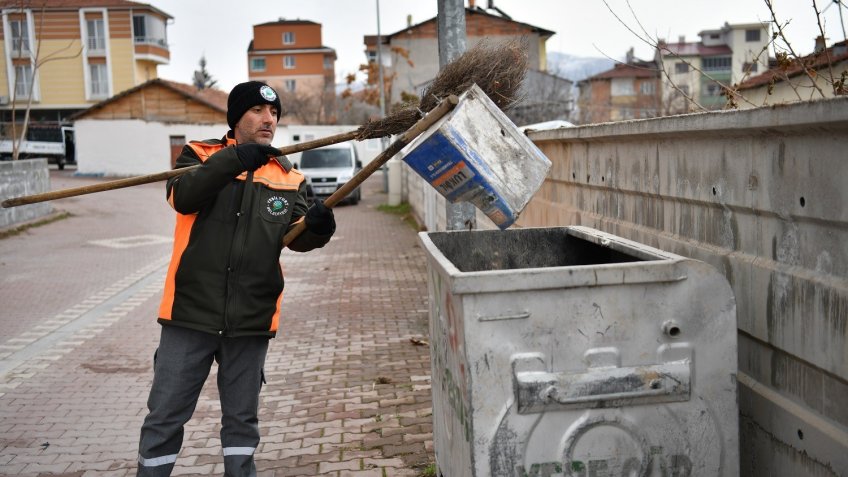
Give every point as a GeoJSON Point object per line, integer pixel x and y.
{"type": "Point", "coordinates": [328, 168]}
{"type": "Point", "coordinates": [55, 143]}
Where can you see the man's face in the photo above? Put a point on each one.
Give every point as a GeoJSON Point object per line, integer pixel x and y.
{"type": "Point", "coordinates": [257, 125]}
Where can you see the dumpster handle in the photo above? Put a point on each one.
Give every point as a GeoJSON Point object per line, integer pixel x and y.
{"type": "Point", "coordinates": [521, 315]}
{"type": "Point", "coordinates": [539, 391]}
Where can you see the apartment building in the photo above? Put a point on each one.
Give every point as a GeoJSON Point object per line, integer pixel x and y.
{"type": "Point", "coordinates": [727, 55]}
{"type": "Point", "coordinates": [96, 48]}
{"type": "Point", "coordinates": [289, 55]}
{"type": "Point", "coordinates": [629, 90]}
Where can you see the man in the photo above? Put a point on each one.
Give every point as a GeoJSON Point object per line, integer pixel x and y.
{"type": "Point", "coordinates": [224, 284]}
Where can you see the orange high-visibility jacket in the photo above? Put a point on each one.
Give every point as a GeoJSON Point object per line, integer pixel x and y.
{"type": "Point", "coordinates": [225, 276]}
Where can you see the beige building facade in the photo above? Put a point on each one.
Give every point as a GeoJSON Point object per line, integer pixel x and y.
{"type": "Point", "coordinates": [95, 50]}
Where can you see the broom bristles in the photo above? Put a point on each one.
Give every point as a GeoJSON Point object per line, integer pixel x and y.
{"type": "Point", "coordinates": [498, 69]}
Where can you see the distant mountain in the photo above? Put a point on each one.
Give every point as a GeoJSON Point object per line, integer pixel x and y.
{"type": "Point", "coordinates": [575, 67]}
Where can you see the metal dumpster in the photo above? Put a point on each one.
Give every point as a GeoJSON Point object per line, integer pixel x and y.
{"type": "Point", "coordinates": [569, 351]}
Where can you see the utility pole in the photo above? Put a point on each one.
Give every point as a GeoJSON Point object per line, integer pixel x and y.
{"type": "Point", "coordinates": [451, 31]}
{"type": "Point", "coordinates": [380, 68]}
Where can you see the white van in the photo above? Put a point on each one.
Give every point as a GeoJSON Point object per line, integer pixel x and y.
{"type": "Point", "coordinates": [328, 168]}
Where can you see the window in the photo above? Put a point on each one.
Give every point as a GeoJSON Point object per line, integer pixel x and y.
{"type": "Point", "coordinates": [257, 64]}
{"type": "Point", "coordinates": [622, 87]}
{"type": "Point", "coordinates": [714, 36]}
{"type": "Point", "coordinates": [716, 63]}
{"type": "Point", "coordinates": [749, 67]}
{"type": "Point", "coordinates": [99, 80]}
{"type": "Point", "coordinates": [371, 56]}
{"type": "Point", "coordinates": [681, 67]}
{"type": "Point", "coordinates": [752, 35]}
{"type": "Point", "coordinates": [148, 29]}
{"type": "Point", "coordinates": [712, 89]}
{"type": "Point", "coordinates": [647, 88]}
{"type": "Point", "coordinates": [290, 84]}
{"type": "Point", "coordinates": [23, 80]}
{"type": "Point", "coordinates": [288, 62]}
{"type": "Point", "coordinates": [328, 63]}
{"type": "Point", "coordinates": [683, 90]}
{"type": "Point", "coordinates": [288, 38]}
{"type": "Point", "coordinates": [96, 34]}
{"type": "Point", "coordinates": [20, 35]}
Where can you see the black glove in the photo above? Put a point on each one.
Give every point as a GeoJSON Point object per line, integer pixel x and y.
{"type": "Point", "coordinates": [253, 155]}
{"type": "Point", "coordinates": [319, 219]}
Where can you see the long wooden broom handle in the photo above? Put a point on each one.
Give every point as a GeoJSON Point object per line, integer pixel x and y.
{"type": "Point", "coordinates": [422, 125]}
{"type": "Point", "coordinates": [161, 176]}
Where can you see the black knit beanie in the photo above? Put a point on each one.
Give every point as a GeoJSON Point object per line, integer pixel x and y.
{"type": "Point", "coordinates": [247, 95]}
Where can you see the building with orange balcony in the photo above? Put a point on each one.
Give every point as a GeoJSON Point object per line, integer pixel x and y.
{"type": "Point", "coordinates": [88, 50]}
{"type": "Point", "coordinates": [289, 55]}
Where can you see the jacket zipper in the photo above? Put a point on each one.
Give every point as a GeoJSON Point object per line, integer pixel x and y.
{"type": "Point", "coordinates": [237, 250]}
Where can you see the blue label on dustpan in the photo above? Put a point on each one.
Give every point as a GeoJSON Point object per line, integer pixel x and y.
{"type": "Point", "coordinates": [454, 169]}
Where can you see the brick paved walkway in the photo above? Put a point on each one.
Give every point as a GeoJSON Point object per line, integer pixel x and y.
{"type": "Point", "coordinates": [348, 393]}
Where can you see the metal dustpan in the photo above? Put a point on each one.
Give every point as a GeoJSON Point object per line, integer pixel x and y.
{"type": "Point", "coordinates": [476, 154]}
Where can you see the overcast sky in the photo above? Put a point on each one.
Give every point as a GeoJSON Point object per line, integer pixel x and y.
{"type": "Point", "coordinates": [221, 29]}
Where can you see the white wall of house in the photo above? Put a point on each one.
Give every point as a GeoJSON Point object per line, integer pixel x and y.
{"type": "Point", "coordinates": [745, 51]}
{"type": "Point", "coordinates": [799, 88]}
{"type": "Point", "coordinates": [689, 81]}
{"type": "Point", "coordinates": [132, 147]}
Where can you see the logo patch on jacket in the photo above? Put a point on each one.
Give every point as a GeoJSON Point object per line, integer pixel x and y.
{"type": "Point", "coordinates": [277, 205]}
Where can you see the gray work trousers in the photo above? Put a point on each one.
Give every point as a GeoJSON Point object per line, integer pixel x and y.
{"type": "Point", "coordinates": [181, 366]}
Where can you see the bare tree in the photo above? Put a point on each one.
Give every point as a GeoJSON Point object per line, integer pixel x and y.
{"type": "Point", "coordinates": [311, 105]}
{"type": "Point", "coordinates": [36, 62]}
{"type": "Point", "coordinates": [545, 97]}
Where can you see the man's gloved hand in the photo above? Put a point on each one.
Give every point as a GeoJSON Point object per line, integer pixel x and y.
{"type": "Point", "coordinates": [320, 219]}
{"type": "Point", "coordinates": [253, 155]}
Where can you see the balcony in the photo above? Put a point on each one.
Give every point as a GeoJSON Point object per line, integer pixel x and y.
{"type": "Point", "coordinates": [151, 39]}
{"type": "Point", "coordinates": [153, 49]}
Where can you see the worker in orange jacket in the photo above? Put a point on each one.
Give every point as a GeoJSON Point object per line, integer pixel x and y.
{"type": "Point", "coordinates": [224, 284]}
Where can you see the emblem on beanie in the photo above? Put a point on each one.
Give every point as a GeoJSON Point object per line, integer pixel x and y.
{"type": "Point", "coordinates": [277, 206]}
{"type": "Point", "coordinates": [268, 93]}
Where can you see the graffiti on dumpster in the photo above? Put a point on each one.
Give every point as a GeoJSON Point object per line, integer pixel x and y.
{"type": "Point", "coordinates": [448, 356]}
{"type": "Point", "coordinates": [451, 391]}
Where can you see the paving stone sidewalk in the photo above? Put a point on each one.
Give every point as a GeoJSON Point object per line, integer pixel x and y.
{"type": "Point", "coordinates": [348, 392]}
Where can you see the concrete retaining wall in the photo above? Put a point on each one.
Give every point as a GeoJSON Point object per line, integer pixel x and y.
{"type": "Point", "coordinates": [762, 195]}
{"type": "Point", "coordinates": [19, 178]}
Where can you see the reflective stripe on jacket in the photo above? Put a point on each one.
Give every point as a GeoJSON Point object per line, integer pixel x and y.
{"type": "Point", "coordinates": [225, 275]}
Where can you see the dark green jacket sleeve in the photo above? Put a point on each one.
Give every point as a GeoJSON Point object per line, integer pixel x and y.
{"type": "Point", "coordinates": [191, 192]}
